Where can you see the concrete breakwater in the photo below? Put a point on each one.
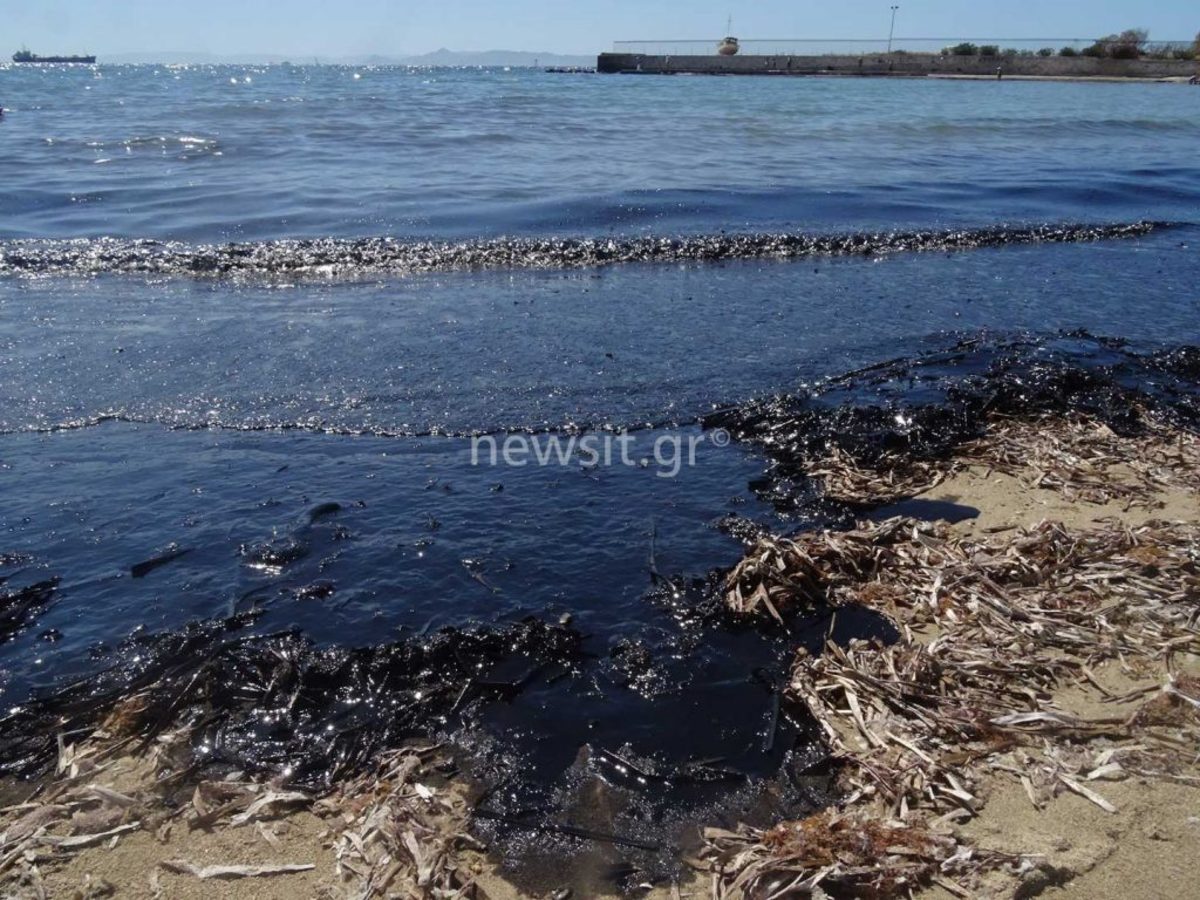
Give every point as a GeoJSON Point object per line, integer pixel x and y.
{"type": "Point", "coordinates": [900, 64]}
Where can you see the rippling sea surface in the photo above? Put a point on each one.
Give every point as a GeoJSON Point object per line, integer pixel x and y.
{"type": "Point", "coordinates": [210, 404]}
{"type": "Point", "coordinates": [234, 153]}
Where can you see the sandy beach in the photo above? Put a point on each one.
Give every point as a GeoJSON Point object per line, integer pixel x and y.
{"type": "Point", "coordinates": [1151, 844]}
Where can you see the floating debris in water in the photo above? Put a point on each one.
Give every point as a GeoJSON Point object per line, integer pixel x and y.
{"type": "Point", "coordinates": [354, 257]}
{"type": "Point", "coordinates": [318, 590]}
{"type": "Point", "coordinates": [280, 705]}
{"type": "Point", "coordinates": [19, 608]}
{"type": "Point", "coordinates": [323, 509]}
{"type": "Point", "coordinates": [275, 555]}
{"type": "Point", "coordinates": [142, 569]}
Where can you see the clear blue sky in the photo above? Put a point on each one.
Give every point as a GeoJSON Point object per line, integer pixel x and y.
{"type": "Point", "coordinates": [398, 27]}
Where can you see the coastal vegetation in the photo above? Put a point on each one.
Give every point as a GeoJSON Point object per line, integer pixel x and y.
{"type": "Point", "coordinates": [1132, 43]}
{"type": "Point", "coordinates": [1126, 45]}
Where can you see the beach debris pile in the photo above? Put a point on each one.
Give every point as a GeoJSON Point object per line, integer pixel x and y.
{"type": "Point", "coordinates": [987, 628]}
{"type": "Point", "coordinates": [397, 826]}
{"type": "Point", "coordinates": [100, 794]}
{"type": "Point", "coordinates": [1073, 411]}
{"type": "Point", "coordinates": [217, 730]}
{"type": "Point", "coordinates": [277, 704]}
{"type": "Point", "coordinates": [356, 257]}
{"type": "Point", "coordinates": [990, 630]}
{"type": "Point", "coordinates": [1086, 460]}
{"type": "Point", "coordinates": [1081, 457]}
{"type": "Point", "coordinates": [19, 607]}
{"type": "Point", "coordinates": [840, 853]}
{"type": "Point", "coordinates": [76, 810]}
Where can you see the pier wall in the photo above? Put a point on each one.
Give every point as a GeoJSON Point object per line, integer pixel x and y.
{"type": "Point", "coordinates": [912, 64]}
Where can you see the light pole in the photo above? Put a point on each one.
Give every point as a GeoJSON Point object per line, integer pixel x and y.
{"type": "Point", "coordinates": [892, 30]}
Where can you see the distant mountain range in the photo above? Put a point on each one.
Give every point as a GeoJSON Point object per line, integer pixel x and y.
{"type": "Point", "coordinates": [442, 57]}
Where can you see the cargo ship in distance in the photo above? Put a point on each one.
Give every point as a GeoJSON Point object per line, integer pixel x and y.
{"type": "Point", "coordinates": [25, 56]}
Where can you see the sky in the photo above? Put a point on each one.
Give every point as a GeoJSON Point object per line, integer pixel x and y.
{"type": "Point", "coordinates": [332, 28]}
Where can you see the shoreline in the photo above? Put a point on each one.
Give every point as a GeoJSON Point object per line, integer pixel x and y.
{"type": "Point", "coordinates": [1104, 79]}
{"type": "Point", "coordinates": [1032, 730]}
{"type": "Point", "coordinates": [143, 826]}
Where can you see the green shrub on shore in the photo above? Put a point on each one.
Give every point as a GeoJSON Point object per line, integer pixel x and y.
{"type": "Point", "coordinates": [1126, 45]}
{"type": "Point", "coordinates": [1129, 44]}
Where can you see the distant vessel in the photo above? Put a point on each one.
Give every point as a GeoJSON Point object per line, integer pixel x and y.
{"type": "Point", "coordinates": [25, 56]}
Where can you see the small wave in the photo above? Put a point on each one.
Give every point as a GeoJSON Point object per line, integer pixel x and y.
{"type": "Point", "coordinates": [334, 257]}
{"type": "Point", "coordinates": [182, 147]}
{"type": "Point", "coordinates": [1060, 127]}
{"type": "Point", "coordinates": [181, 420]}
